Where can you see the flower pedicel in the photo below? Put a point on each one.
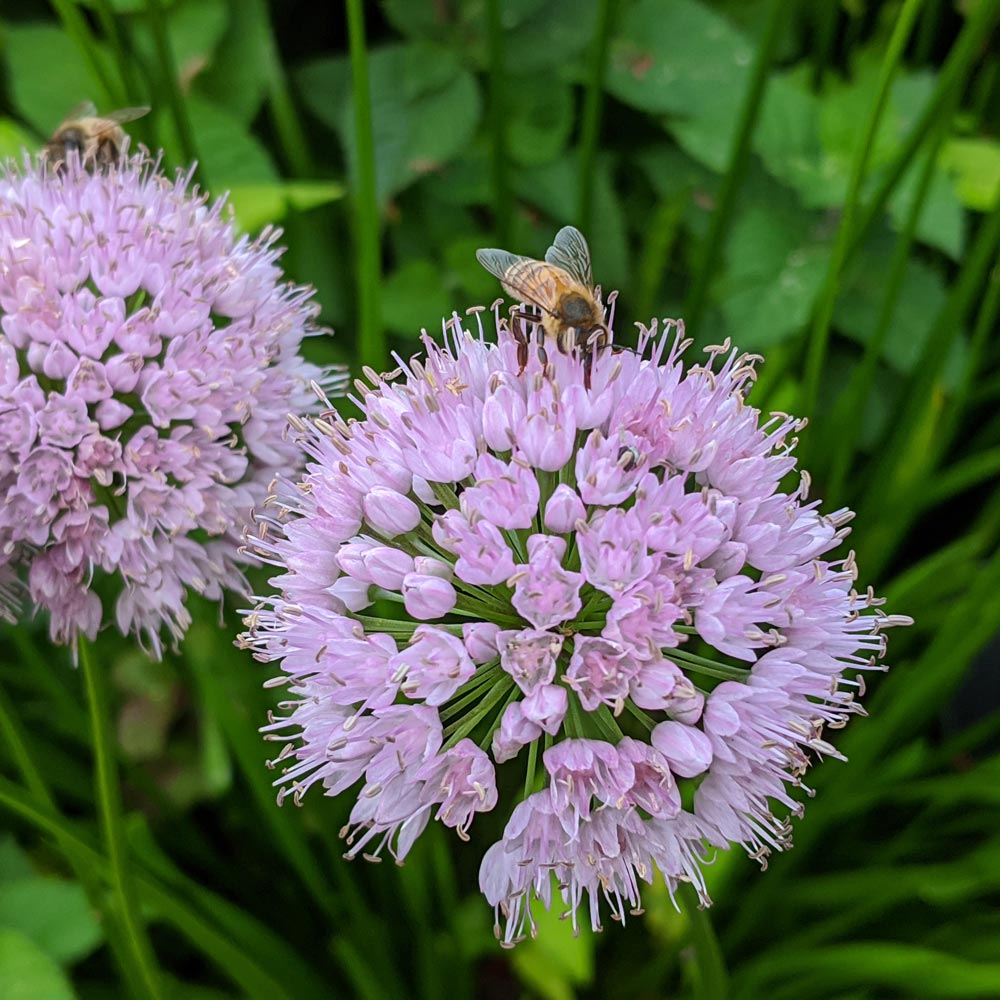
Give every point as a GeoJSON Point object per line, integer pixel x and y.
{"type": "Point", "coordinates": [605, 590]}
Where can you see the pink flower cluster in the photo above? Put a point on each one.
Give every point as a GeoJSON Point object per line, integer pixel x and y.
{"type": "Point", "coordinates": [608, 588]}
{"type": "Point", "coordinates": [148, 359]}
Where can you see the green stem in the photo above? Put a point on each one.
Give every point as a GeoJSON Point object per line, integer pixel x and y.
{"type": "Point", "coordinates": [820, 333]}
{"type": "Point", "coordinates": [739, 157]}
{"type": "Point", "coordinates": [484, 743]}
{"type": "Point", "coordinates": [979, 468]}
{"type": "Point", "coordinates": [471, 690]}
{"type": "Point", "coordinates": [703, 665]}
{"type": "Point", "coordinates": [114, 29]}
{"type": "Point", "coordinates": [109, 807]}
{"type": "Point", "coordinates": [950, 80]}
{"type": "Point", "coordinates": [907, 459]}
{"type": "Point", "coordinates": [293, 141]}
{"type": "Point", "coordinates": [590, 128]}
{"type": "Point", "coordinates": [851, 404]}
{"type": "Point", "coordinates": [927, 33]}
{"type": "Point", "coordinates": [825, 33]}
{"type": "Point", "coordinates": [498, 124]}
{"type": "Point", "coordinates": [529, 774]}
{"type": "Point", "coordinates": [367, 235]}
{"type": "Point", "coordinates": [401, 628]}
{"type": "Point", "coordinates": [43, 675]}
{"type": "Point", "coordinates": [10, 730]}
{"type": "Point", "coordinates": [458, 731]}
{"type": "Point", "coordinates": [661, 235]}
{"type": "Point", "coordinates": [596, 602]}
{"type": "Point", "coordinates": [170, 83]}
{"type": "Point", "coordinates": [202, 934]}
{"type": "Point", "coordinates": [646, 721]}
{"type": "Point", "coordinates": [984, 330]}
{"type": "Point", "coordinates": [575, 724]}
{"type": "Point", "coordinates": [608, 724]}
{"type": "Point", "coordinates": [83, 869]}
{"type": "Point", "coordinates": [712, 978]}
{"type": "Point", "coordinates": [83, 38]}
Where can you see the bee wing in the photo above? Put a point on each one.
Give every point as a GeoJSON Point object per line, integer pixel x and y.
{"type": "Point", "coordinates": [569, 251]}
{"type": "Point", "coordinates": [524, 278]}
{"type": "Point", "coordinates": [85, 109]}
{"type": "Point", "coordinates": [123, 115]}
{"type": "Point", "coordinates": [498, 262]}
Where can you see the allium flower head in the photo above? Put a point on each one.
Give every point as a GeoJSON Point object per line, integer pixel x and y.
{"type": "Point", "coordinates": [148, 360]}
{"type": "Point", "coordinates": [610, 592]}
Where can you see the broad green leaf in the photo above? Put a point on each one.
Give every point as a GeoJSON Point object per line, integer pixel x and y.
{"type": "Point", "coordinates": [195, 29]}
{"type": "Point", "coordinates": [974, 165]}
{"type": "Point", "coordinates": [556, 33]}
{"type": "Point", "coordinates": [537, 34]}
{"type": "Point", "coordinates": [228, 153]}
{"type": "Point", "coordinates": [809, 142]}
{"type": "Point", "coordinates": [921, 297]}
{"type": "Point", "coordinates": [787, 139]}
{"type": "Point", "coordinates": [237, 76]}
{"type": "Point", "coordinates": [699, 84]}
{"type": "Point", "coordinates": [414, 298]}
{"type": "Point", "coordinates": [454, 24]}
{"type": "Point", "coordinates": [942, 219]}
{"type": "Point", "coordinates": [256, 205]}
{"type": "Point", "coordinates": [425, 107]}
{"type": "Point", "coordinates": [540, 120]}
{"type": "Point", "coordinates": [671, 171]}
{"type": "Point", "coordinates": [47, 74]}
{"type": "Point", "coordinates": [776, 257]}
{"type": "Point", "coordinates": [54, 913]}
{"type": "Point", "coordinates": [27, 972]}
{"type": "Point", "coordinates": [651, 71]}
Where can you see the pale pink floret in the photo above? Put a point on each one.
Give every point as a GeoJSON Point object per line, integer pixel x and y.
{"type": "Point", "coordinates": [529, 656]}
{"type": "Point", "coordinates": [546, 594]}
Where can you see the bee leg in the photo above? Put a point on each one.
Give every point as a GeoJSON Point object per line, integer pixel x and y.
{"type": "Point", "coordinates": [106, 154]}
{"type": "Point", "coordinates": [519, 320]}
{"type": "Point", "coordinates": [588, 363]}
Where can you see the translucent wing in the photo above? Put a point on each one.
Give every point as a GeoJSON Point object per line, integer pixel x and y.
{"type": "Point", "coordinates": [569, 251]}
{"type": "Point", "coordinates": [498, 262]}
{"type": "Point", "coordinates": [531, 281]}
{"type": "Point", "coordinates": [85, 109]}
{"type": "Point", "coordinates": [123, 115]}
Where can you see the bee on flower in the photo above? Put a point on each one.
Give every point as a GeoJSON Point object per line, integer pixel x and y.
{"type": "Point", "coordinates": [581, 566]}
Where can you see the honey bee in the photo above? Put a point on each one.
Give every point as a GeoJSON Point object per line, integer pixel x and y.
{"type": "Point", "coordinates": [561, 288]}
{"type": "Point", "coordinates": [96, 139]}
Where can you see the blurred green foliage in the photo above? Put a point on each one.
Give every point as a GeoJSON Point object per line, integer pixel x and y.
{"type": "Point", "coordinates": [817, 180]}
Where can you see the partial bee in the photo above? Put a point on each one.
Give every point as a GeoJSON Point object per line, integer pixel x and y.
{"type": "Point", "coordinates": [561, 288]}
{"type": "Point", "coordinates": [97, 139]}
